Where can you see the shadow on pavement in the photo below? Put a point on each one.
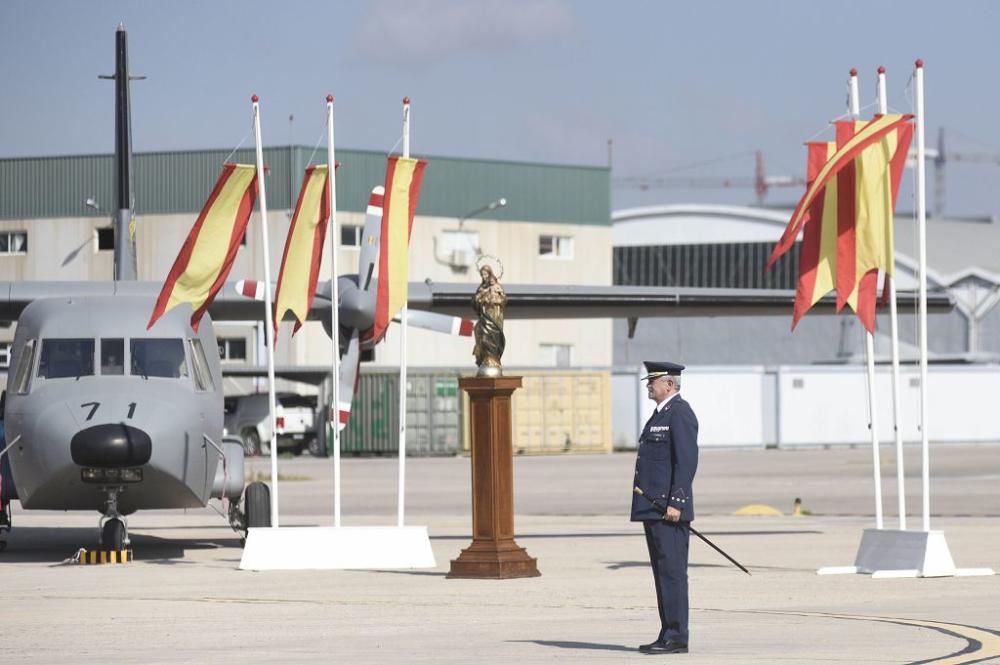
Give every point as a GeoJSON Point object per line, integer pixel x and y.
{"type": "Point", "coordinates": [53, 545]}
{"type": "Point", "coordinates": [632, 534]}
{"type": "Point", "coordinates": [579, 645]}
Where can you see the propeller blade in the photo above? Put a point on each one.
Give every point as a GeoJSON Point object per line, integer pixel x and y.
{"type": "Point", "coordinates": [348, 384]}
{"type": "Point", "coordinates": [250, 288]}
{"type": "Point", "coordinates": [370, 236]}
{"type": "Point", "coordinates": [450, 325]}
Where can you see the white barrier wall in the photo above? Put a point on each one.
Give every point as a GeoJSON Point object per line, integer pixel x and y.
{"type": "Point", "coordinates": [818, 405]}
{"type": "Point", "coordinates": [729, 402]}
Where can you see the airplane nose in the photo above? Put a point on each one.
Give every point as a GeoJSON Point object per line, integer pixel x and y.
{"type": "Point", "coordinates": [111, 445]}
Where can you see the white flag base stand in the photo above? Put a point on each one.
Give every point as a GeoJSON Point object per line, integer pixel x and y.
{"type": "Point", "coordinates": [886, 553]}
{"type": "Point", "coordinates": [337, 548]}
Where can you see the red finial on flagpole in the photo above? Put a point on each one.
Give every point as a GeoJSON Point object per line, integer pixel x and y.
{"type": "Point", "coordinates": [329, 99]}
{"type": "Point", "coordinates": [919, 63]}
{"type": "Point", "coordinates": [881, 69]}
{"type": "Point", "coordinates": [255, 99]}
{"type": "Point", "coordinates": [854, 71]}
{"type": "Point", "coordinates": [406, 100]}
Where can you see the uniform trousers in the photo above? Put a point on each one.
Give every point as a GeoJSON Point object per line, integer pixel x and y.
{"type": "Point", "coordinates": [668, 556]}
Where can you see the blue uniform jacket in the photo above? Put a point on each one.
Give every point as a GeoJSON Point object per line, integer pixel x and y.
{"type": "Point", "coordinates": [666, 462]}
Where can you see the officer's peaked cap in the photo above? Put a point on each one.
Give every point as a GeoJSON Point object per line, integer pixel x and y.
{"type": "Point", "coordinates": [657, 369]}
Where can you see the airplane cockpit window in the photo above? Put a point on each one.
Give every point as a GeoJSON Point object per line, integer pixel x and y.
{"type": "Point", "coordinates": [68, 358]}
{"type": "Point", "coordinates": [202, 377]}
{"type": "Point", "coordinates": [162, 358]}
{"type": "Point", "coordinates": [22, 379]}
{"type": "Point", "coordinates": [112, 357]}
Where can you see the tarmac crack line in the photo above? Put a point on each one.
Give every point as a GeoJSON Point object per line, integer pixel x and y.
{"type": "Point", "coordinates": [982, 644]}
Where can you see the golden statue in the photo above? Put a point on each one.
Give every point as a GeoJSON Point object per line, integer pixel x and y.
{"type": "Point", "coordinates": [489, 303]}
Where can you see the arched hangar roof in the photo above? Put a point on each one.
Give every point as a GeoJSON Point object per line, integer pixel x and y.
{"type": "Point", "coordinates": [956, 248]}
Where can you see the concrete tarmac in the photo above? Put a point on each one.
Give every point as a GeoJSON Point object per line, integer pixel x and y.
{"type": "Point", "coordinates": [183, 599]}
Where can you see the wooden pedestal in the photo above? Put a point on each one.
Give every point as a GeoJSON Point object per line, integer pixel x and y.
{"type": "Point", "coordinates": [493, 553]}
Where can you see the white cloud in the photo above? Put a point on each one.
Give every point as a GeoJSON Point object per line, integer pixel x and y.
{"type": "Point", "coordinates": [425, 31]}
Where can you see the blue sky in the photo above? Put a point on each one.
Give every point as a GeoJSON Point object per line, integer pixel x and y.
{"type": "Point", "coordinates": [671, 83]}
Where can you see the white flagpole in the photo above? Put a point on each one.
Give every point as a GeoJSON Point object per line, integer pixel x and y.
{"type": "Point", "coordinates": [922, 251]}
{"type": "Point", "coordinates": [869, 357]}
{"type": "Point", "coordinates": [883, 108]}
{"type": "Point", "coordinates": [268, 322]}
{"type": "Point", "coordinates": [402, 348]}
{"type": "Point", "coordinates": [331, 165]}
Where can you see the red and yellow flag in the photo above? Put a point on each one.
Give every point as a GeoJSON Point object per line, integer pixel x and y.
{"type": "Point", "coordinates": [847, 237]}
{"type": "Point", "coordinates": [402, 191]}
{"type": "Point", "coordinates": [871, 132]}
{"type": "Point", "coordinates": [303, 248]}
{"type": "Point", "coordinates": [818, 252]}
{"type": "Point", "coordinates": [207, 255]}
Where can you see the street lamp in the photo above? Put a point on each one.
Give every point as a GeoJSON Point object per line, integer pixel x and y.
{"type": "Point", "coordinates": [457, 249]}
{"type": "Point", "coordinates": [493, 205]}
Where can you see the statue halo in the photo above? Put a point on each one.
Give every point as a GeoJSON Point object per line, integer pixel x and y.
{"type": "Point", "coordinates": [481, 261]}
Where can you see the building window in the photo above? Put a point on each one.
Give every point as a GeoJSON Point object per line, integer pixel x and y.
{"type": "Point", "coordinates": [719, 265]}
{"type": "Point", "coordinates": [350, 235]}
{"type": "Point", "coordinates": [232, 348]}
{"type": "Point", "coordinates": [556, 355]}
{"type": "Point", "coordinates": [13, 242]}
{"type": "Point", "coordinates": [105, 238]}
{"type": "Point", "coordinates": [555, 246]}
{"type": "Point", "coordinates": [5, 354]}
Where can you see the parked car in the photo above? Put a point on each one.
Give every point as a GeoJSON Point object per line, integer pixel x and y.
{"type": "Point", "coordinates": [246, 416]}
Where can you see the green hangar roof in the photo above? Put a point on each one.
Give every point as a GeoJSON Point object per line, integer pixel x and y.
{"type": "Point", "coordinates": [180, 182]}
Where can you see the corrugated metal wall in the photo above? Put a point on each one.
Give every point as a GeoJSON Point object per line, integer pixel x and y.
{"type": "Point", "coordinates": [180, 182]}
{"type": "Point", "coordinates": [562, 412]}
{"type": "Point", "coordinates": [433, 415]}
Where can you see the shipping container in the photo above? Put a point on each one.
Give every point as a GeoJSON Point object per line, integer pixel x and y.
{"type": "Point", "coordinates": [559, 411]}
{"type": "Point", "coordinates": [433, 414]}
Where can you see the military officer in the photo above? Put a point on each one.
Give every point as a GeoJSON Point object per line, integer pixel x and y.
{"type": "Point", "coordinates": [664, 468]}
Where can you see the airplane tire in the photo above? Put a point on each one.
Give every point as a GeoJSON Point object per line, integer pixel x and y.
{"type": "Point", "coordinates": [113, 535]}
{"type": "Point", "coordinates": [257, 505]}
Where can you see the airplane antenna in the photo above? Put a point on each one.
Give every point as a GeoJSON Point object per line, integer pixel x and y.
{"type": "Point", "coordinates": [123, 220]}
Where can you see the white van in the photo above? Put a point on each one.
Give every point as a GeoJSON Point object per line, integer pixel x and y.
{"type": "Point", "coordinates": [246, 416]}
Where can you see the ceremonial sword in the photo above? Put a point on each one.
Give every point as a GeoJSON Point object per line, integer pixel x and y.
{"type": "Point", "coordinates": [662, 509]}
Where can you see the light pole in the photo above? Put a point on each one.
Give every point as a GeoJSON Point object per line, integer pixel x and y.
{"type": "Point", "coordinates": [457, 257]}
{"type": "Point", "coordinates": [493, 205]}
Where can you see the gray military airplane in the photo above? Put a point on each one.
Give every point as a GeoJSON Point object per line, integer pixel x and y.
{"type": "Point", "coordinates": [103, 414]}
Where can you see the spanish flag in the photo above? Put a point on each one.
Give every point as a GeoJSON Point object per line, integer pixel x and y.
{"type": "Point", "coordinates": [303, 248]}
{"type": "Point", "coordinates": [848, 236]}
{"type": "Point", "coordinates": [207, 255]}
{"type": "Point", "coordinates": [871, 133]}
{"type": "Point", "coordinates": [402, 192]}
{"type": "Point", "coordinates": [822, 251]}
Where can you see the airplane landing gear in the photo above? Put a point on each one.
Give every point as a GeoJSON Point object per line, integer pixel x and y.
{"type": "Point", "coordinates": [257, 505]}
{"type": "Point", "coordinates": [5, 523]}
{"type": "Point", "coordinates": [113, 535]}
{"type": "Point", "coordinates": [114, 532]}
{"type": "Point", "coordinates": [256, 511]}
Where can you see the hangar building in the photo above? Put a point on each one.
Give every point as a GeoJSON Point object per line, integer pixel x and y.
{"type": "Point", "coordinates": [728, 246]}
{"type": "Point", "coordinates": [555, 227]}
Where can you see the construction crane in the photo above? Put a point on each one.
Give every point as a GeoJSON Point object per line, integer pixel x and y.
{"type": "Point", "coordinates": [940, 157]}
{"type": "Point", "coordinates": [760, 182]}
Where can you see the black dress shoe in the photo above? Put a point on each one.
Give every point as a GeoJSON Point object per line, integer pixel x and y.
{"type": "Point", "coordinates": [668, 647]}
